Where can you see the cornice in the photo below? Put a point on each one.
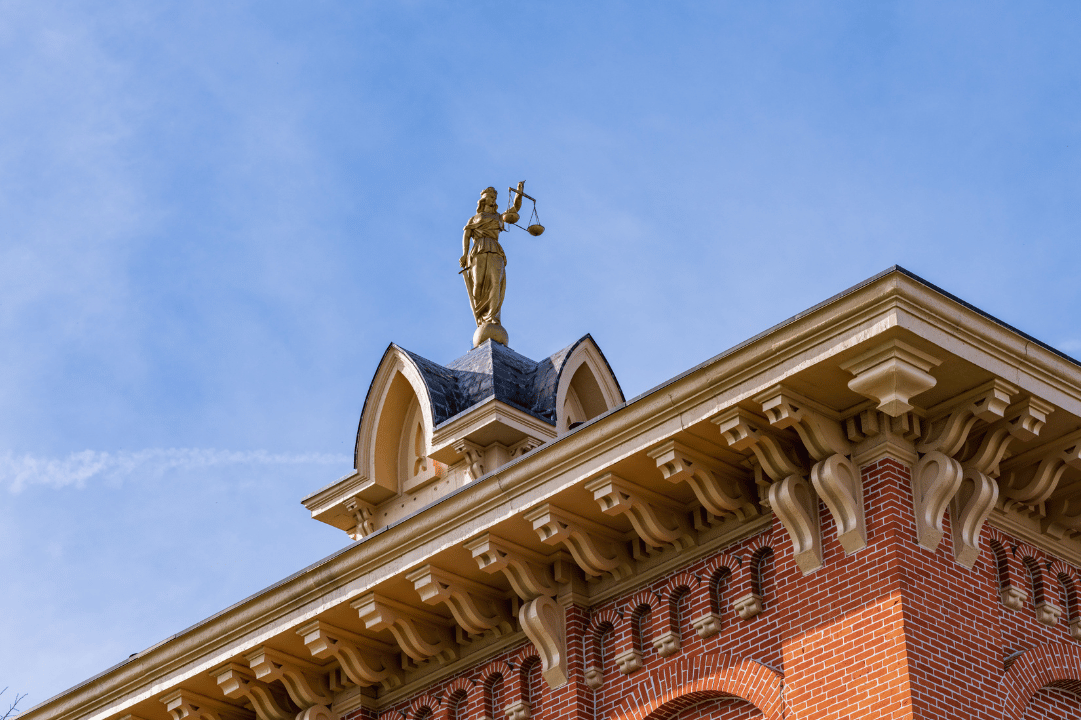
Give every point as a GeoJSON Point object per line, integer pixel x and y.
{"type": "Point", "coordinates": [971, 335]}
{"type": "Point", "coordinates": [1028, 530]}
{"type": "Point", "coordinates": [892, 300]}
{"type": "Point", "coordinates": [484, 414]}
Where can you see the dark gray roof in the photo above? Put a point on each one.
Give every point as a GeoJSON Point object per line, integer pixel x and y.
{"type": "Point", "coordinates": [493, 370]}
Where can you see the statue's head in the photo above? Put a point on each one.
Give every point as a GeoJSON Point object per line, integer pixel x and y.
{"type": "Point", "coordinates": [488, 196]}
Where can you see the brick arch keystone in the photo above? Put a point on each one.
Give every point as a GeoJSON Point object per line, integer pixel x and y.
{"type": "Point", "coordinates": [644, 597]}
{"type": "Point", "coordinates": [769, 539]}
{"type": "Point", "coordinates": [419, 704]}
{"type": "Point", "coordinates": [712, 674]}
{"type": "Point", "coordinates": [461, 694]}
{"type": "Point", "coordinates": [682, 580]}
{"type": "Point", "coordinates": [1037, 668]}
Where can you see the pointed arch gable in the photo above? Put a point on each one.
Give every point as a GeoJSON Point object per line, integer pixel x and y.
{"type": "Point", "coordinates": [397, 385]}
{"type": "Point", "coordinates": [586, 387]}
{"type": "Point", "coordinates": [713, 674]}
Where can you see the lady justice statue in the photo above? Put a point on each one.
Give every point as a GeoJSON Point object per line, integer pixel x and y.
{"type": "Point", "coordinates": [484, 264]}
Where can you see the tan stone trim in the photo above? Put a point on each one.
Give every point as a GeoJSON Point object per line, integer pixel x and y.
{"type": "Point", "coordinates": [883, 306]}
{"type": "Point", "coordinates": [489, 411]}
{"type": "Point", "coordinates": [355, 698]}
{"type": "Point", "coordinates": [1028, 530]}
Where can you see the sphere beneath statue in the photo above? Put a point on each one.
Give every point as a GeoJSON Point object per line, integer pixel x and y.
{"type": "Point", "coordinates": [491, 331]}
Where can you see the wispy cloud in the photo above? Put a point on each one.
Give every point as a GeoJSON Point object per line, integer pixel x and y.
{"type": "Point", "coordinates": [21, 471]}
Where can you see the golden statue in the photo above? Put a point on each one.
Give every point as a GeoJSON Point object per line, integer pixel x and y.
{"type": "Point", "coordinates": [484, 264]}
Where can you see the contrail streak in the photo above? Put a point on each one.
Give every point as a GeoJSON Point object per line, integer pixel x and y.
{"type": "Point", "coordinates": [20, 471]}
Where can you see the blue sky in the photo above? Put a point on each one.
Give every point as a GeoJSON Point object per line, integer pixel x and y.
{"type": "Point", "coordinates": [215, 216]}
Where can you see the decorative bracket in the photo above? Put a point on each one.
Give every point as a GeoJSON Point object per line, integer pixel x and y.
{"type": "Point", "coordinates": [721, 492]}
{"type": "Point", "coordinates": [545, 624]}
{"type": "Point", "coordinates": [303, 679]}
{"type": "Point", "coordinates": [797, 508]}
{"type": "Point", "coordinates": [421, 635]}
{"type": "Point", "coordinates": [935, 480]}
{"type": "Point", "coordinates": [834, 475]}
{"type": "Point", "coordinates": [743, 430]}
{"type": "Point", "coordinates": [791, 497]}
{"type": "Point", "coordinates": [1013, 597]}
{"type": "Point", "coordinates": [937, 477]}
{"type": "Point", "coordinates": [748, 606]}
{"type": "Point", "coordinates": [237, 681]}
{"type": "Point", "coordinates": [1048, 613]}
{"type": "Point", "coordinates": [891, 375]}
{"type": "Point", "coordinates": [949, 429]}
{"type": "Point", "coordinates": [521, 448]}
{"type": "Point", "coordinates": [527, 571]}
{"type": "Point", "coordinates": [1022, 421]}
{"type": "Point", "coordinates": [1063, 515]}
{"type": "Point", "coordinates": [978, 493]}
{"type": "Point", "coordinates": [362, 512]}
{"type": "Point", "coordinates": [596, 548]}
{"type": "Point", "coordinates": [1033, 476]}
{"type": "Point", "coordinates": [667, 644]}
{"type": "Point", "coordinates": [353, 652]}
{"type": "Point", "coordinates": [658, 520]}
{"type": "Point", "coordinates": [520, 710]}
{"type": "Point", "coordinates": [476, 607]}
{"type": "Point", "coordinates": [629, 661]}
{"type": "Point", "coordinates": [187, 705]}
{"type": "Point", "coordinates": [969, 509]}
{"type": "Point", "coordinates": [474, 455]}
{"type": "Point", "coordinates": [838, 482]}
{"type": "Point", "coordinates": [821, 434]}
{"type": "Point", "coordinates": [876, 435]}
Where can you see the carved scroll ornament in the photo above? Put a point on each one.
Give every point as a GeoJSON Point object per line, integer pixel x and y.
{"type": "Point", "coordinates": [721, 490]}
{"type": "Point", "coordinates": [791, 497]}
{"type": "Point", "coordinates": [834, 476]}
{"type": "Point", "coordinates": [594, 547]}
{"type": "Point", "coordinates": [475, 607]}
{"type": "Point", "coordinates": [658, 520]}
{"type": "Point", "coordinates": [366, 662]}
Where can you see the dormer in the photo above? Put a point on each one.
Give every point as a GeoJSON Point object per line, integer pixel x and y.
{"type": "Point", "coordinates": [587, 388]}
{"type": "Point", "coordinates": [428, 429]}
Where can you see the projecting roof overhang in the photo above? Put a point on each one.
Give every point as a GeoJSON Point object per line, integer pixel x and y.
{"type": "Point", "coordinates": [893, 365]}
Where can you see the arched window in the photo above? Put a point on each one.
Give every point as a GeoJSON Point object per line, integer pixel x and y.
{"type": "Point", "coordinates": [415, 468]}
{"type": "Point", "coordinates": [641, 627]}
{"type": "Point", "coordinates": [761, 571]}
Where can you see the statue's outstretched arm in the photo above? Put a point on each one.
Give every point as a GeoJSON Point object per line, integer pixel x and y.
{"type": "Point", "coordinates": [518, 196]}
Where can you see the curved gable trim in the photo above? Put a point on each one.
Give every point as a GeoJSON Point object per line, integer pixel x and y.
{"type": "Point", "coordinates": [395, 360]}
{"type": "Point", "coordinates": [586, 352]}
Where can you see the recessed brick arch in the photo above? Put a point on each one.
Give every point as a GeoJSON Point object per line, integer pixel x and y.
{"type": "Point", "coordinates": [714, 674]}
{"type": "Point", "coordinates": [1043, 665]}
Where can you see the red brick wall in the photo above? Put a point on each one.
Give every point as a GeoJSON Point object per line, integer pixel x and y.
{"type": "Point", "coordinates": [893, 631]}
{"type": "Point", "coordinates": [1051, 703]}
{"type": "Point", "coordinates": [713, 709]}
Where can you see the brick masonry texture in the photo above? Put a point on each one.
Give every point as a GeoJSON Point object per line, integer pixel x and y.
{"type": "Point", "coordinates": [1052, 703]}
{"type": "Point", "coordinates": [892, 631]}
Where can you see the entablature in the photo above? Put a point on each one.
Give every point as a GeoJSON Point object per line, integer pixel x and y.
{"type": "Point", "coordinates": [988, 422]}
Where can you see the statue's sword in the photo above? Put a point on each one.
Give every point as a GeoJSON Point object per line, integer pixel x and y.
{"type": "Point", "coordinates": [469, 291]}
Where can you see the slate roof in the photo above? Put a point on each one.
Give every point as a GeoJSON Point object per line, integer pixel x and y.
{"type": "Point", "coordinates": [493, 370]}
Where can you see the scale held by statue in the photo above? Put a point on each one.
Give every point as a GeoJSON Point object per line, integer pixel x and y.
{"type": "Point", "coordinates": [484, 265]}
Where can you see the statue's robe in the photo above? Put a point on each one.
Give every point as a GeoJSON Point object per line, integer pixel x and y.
{"type": "Point", "coordinates": [487, 281]}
